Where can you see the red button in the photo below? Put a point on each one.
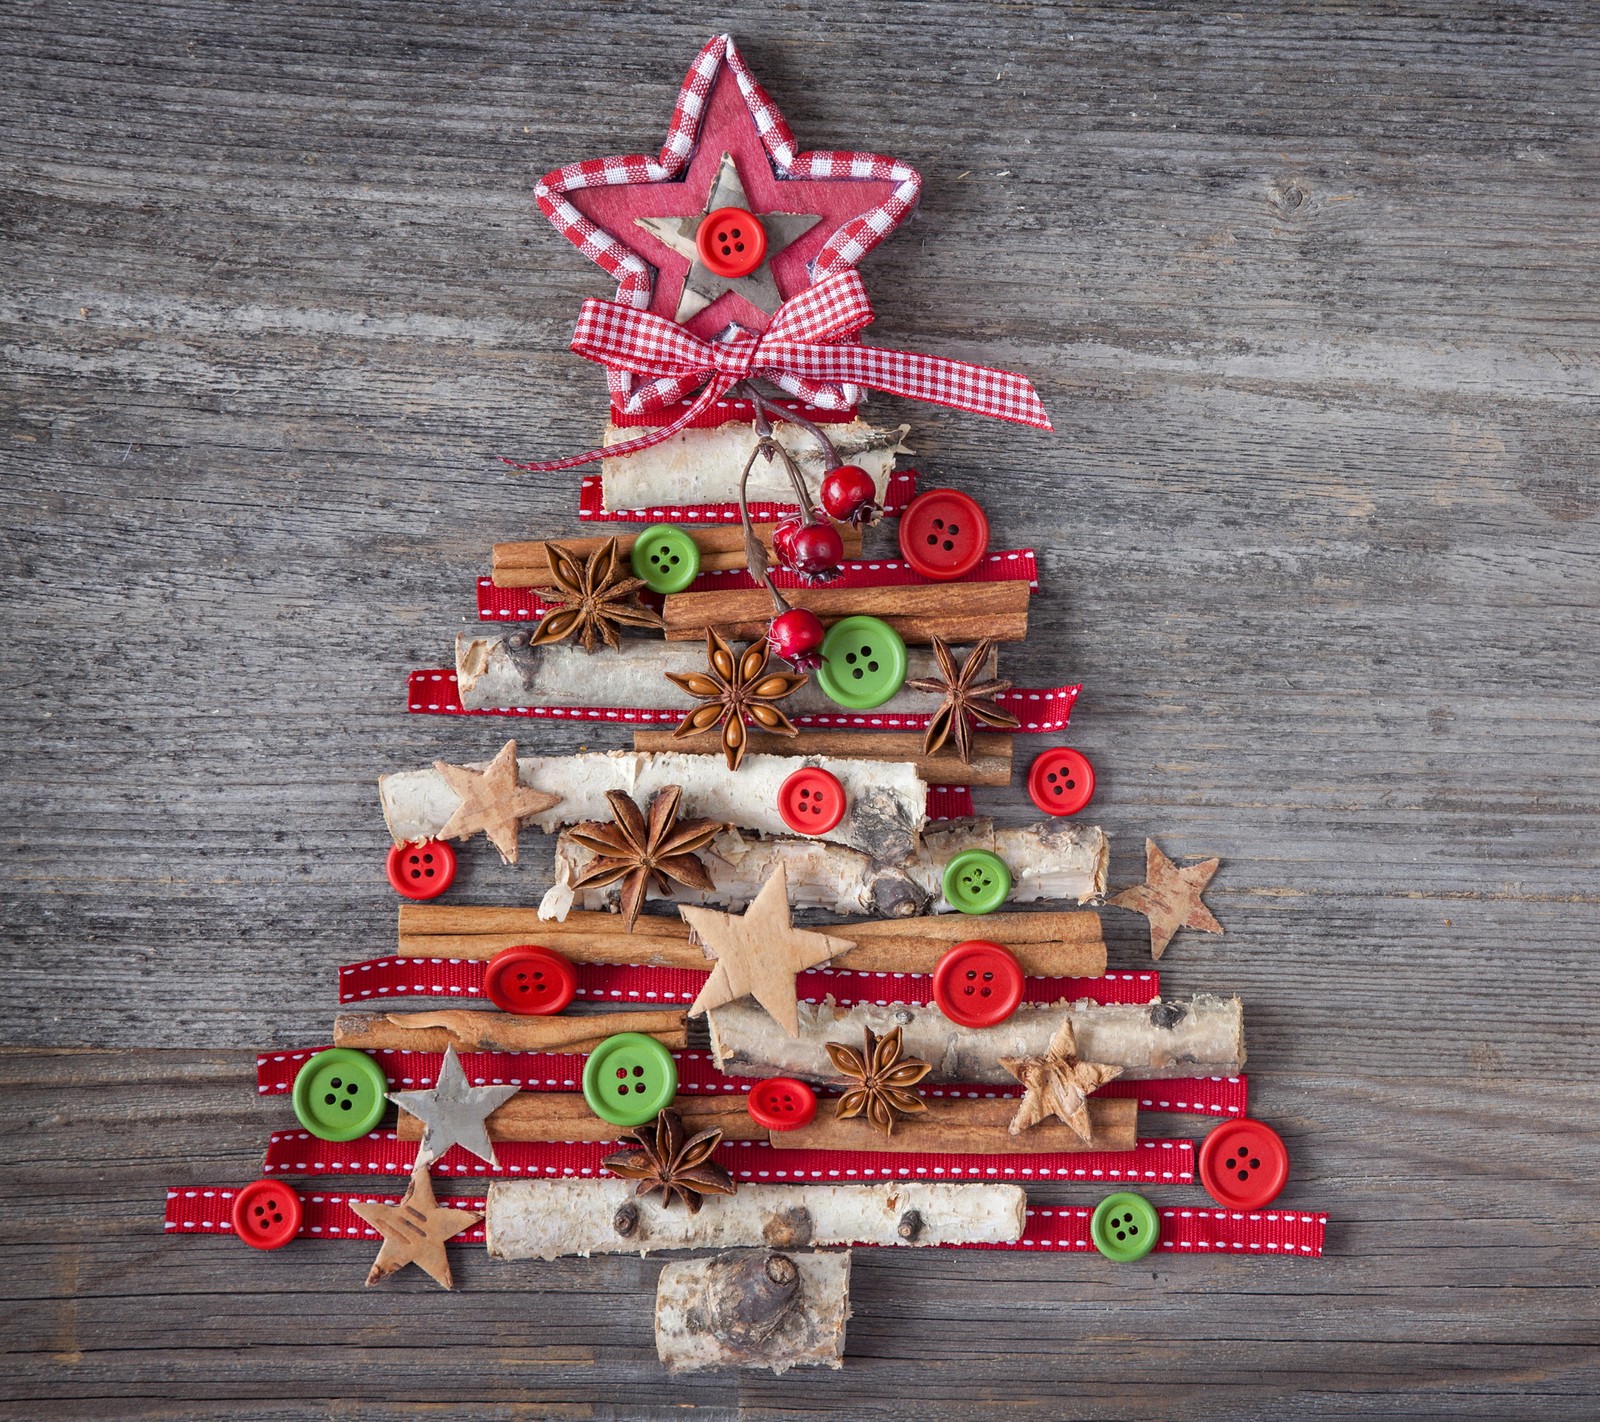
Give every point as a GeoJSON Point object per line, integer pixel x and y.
{"type": "Point", "coordinates": [1061, 781]}
{"type": "Point", "coordinates": [811, 801]}
{"type": "Point", "coordinates": [780, 1103]}
{"type": "Point", "coordinates": [944, 534]}
{"type": "Point", "coordinates": [423, 870]}
{"type": "Point", "coordinates": [977, 984]}
{"type": "Point", "coordinates": [731, 242]}
{"type": "Point", "coordinates": [1244, 1165]}
{"type": "Point", "coordinates": [530, 980]}
{"type": "Point", "coordinates": [267, 1214]}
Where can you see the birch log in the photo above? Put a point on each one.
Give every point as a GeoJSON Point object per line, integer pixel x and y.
{"type": "Point", "coordinates": [494, 672]}
{"type": "Point", "coordinates": [549, 1219]}
{"type": "Point", "coordinates": [1203, 1036]}
{"type": "Point", "coordinates": [1055, 860]}
{"type": "Point", "coordinates": [702, 466]}
{"type": "Point", "coordinates": [888, 800]}
{"type": "Point", "coordinates": [470, 1031]}
{"type": "Point", "coordinates": [753, 1309]}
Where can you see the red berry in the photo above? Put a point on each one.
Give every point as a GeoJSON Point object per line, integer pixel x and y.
{"type": "Point", "coordinates": [847, 493]}
{"type": "Point", "coordinates": [783, 533]}
{"type": "Point", "coordinates": [817, 550]}
{"type": "Point", "coordinates": [796, 636]}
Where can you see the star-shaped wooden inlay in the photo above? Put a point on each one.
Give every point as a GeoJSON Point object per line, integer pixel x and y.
{"type": "Point", "coordinates": [1170, 897]}
{"type": "Point", "coordinates": [415, 1230]}
{"type": "Point", "coordinates": [452, 1112]}
{"type": "Point", "coordinates": [493, 800]}
{"type": "Point", "coordinates": [703, 286]}
{"type": "Point", "coordinates": [1058, 1084]}
{"type": "Point", "coordinates": [758, 953]}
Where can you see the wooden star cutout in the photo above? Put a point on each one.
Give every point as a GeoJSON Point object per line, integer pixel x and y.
{"type": "Point", "coordinates": [1058, 1084]}
{"type": "Point", "coordinates": [759, 952]}
{"type": "Point", "coordinates": [452, 1112]}
{"type": "Point", "coordinates": [1170, 897]}
{"type": "Point", "coordinates": [415, 1230]}
{"type": "Point", "coordinates": [492, 800]}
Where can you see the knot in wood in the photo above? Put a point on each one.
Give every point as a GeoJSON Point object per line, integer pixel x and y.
{"type": "Point", "coordinates": [750, 1293]}
{"type": "Point", "coordinates": [910, 1226]}
{"type": "Point", "coordinates": [788, 1229]}
{"type": "Point", "coordinates": [626, 1219]}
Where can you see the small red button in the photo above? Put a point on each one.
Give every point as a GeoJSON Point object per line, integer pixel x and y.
{"type": "Point", "coordinates": [780, 1103]}
{"type": "Point", "coordinates": [530, 980]}
{"type": "Point", "coordinates": [1243, 1165]}
{"type": "Point", "coordinates": [731, 242]}
{"type": "Point", "coordinates": [423, 870]}
{"type": "Point", "coordinates": [1061, 781]}
{"type": "Point", "coordinates": [267, 1214]}
{"type": "Point", "coordinates": [944, 534]}
{"type": "Point", "coordinates": [977, 983]}
{"type": "Point", "coordinates": [811, 801]}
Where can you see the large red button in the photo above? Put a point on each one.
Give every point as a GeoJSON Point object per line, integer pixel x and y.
{"type": "Point", "coordinates": [943, 534]}
{"type": "Point", "coordinates": [977, 983]}
{"type": "Point", "coordinates": [811, 801]}
{"type": "Point", "coordinates": [1244, 1165]}
{"type": "Point", "coordinates": [1061, 781]}
{"type": "Point", "coordinates": [530, 980]}
{"type": "Point", "coordinates": [731, 242]}
{"type": "Point", "coordinates": [423, 870]}
{"type": "Point", "coordinates": [781, 1103]}
{"type": "Point", "coordinates": [267, 1214]}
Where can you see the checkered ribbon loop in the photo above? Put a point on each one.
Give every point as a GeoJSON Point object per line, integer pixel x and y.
{"type": "Point", "coordinates": [808, 341]}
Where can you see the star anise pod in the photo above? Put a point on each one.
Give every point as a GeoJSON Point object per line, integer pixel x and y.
{"type": "Point", "coordinates": [665, 1161]}
{"type": "Point", "coordinates": [642, 851]}
{"type": "Point", "coordinates": [736, 691]}
{"type": "Point", "coordinates": [966, 699]}
{"type": "Point", "coordinates": [593, 595]}
{"type": "Point", "coordinates": [884, 1078]}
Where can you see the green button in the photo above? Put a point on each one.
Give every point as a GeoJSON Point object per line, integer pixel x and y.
{"type": "Point", "coordinates": [629, 1079]}
{"type": "Point", "coordinates": [340, 1094]}
{"type": "Point", "coordinates": [666, 558]}
{"type": "Point", "coordinates": [977, 881]}
{"type": "Point", "coordinates": [1125, 1227]}
{"type": "Point", "coordinates": [863, 663]}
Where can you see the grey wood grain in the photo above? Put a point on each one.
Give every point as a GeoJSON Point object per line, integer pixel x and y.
{"type": "Point", "coordinates": [1311, 296]}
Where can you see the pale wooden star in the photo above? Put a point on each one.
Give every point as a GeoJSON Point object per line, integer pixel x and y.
{"type": "Point", "coordinates": [1170, 897]}
{"type": "Point", "coordinates": [759, 952]}
{"type": "Point", "coordinates": [452, 1112]}
{"type": "Point", "coordinates": [1058, 1084]}
{"type": "Point", "coordinates": [415, 1230]}
{"type": "Point", "coordinates": [492, 800]}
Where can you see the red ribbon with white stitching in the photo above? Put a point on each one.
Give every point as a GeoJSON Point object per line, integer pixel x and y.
{"type": "Point", "coordinates": [809, 341]}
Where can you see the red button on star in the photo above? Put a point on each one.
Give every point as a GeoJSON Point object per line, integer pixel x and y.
{"type": "Point", "coordinates": [978, 984]}
{"type": "Point", "coordinates": [781, 1103]}
{"type": "Point", "coordinates": [530, 981]}
{"type": "Point", "coordinates": [1061, 781]}
{"type": "Point", "coordinates": [944, 534]}
{"type": "Point", "coordinates": [1243, 1165]}
{"type": "Point", "coordinates": [267, 1214]}
{"type": "Point", "coordinates": [731, 242]}
{"type": "Point", "coordinates": [423, 870]}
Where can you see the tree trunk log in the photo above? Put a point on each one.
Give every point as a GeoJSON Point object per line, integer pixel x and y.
{"type": "Point", "coordinates": [888, 801]}
{"type": "Point", "coordinates": [1056, 860]}
{"type": "Point", "coordinates": [469, 1031]}
{"type": "Point", "coordinates": [1203, 1036]}
{"type": "Point", "coordinates": [549, 1219]}
{"type": "Point", "coordinates": [753, 1309]}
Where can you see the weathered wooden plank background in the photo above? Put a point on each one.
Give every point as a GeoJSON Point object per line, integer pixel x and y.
{"type": "Point", "coordinates": [1313, 297]}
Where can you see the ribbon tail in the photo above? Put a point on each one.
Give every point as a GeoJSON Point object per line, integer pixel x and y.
{"type": "Point", "coordinates": [714, 390]}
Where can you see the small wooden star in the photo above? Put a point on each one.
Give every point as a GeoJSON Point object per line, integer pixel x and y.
{"type": "Point", "coordinates": [1058, 1084]}
{"type": "Point", "coordinates": [415, 1230]}
{"type": "Point", "coordinates": [453, 1113]}
{"type": "Point", "coordinates": [759, 952]}
{"type": "Point", "coordinates": [1170, 897]}
{"type": "Point", "coordinates": [492, 800]}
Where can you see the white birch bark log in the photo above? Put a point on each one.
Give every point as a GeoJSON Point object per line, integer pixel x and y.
{"type": "Point", "coordinates": [495, 674]}
{"type": "Point", "coordinates": [548, 1219]}
{"type": "Point", "coordinates": [1055, 860]}
{"type": "Point", "coordinates": [702, 466]}
{"type": "Point", "coordinates": [1200, 1036]}
{"type": "Point", "coordinates": [753, 1309]}
{"type": "Point", "coordinates": [888, 800]}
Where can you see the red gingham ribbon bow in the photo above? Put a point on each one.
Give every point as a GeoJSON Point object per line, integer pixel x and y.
{"type": "Point", "coordinates": [808, 340]}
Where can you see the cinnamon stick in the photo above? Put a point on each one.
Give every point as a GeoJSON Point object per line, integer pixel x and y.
{"type": "Point", "coordinates": [526, 565]}
{"type": "Point", "coordinates": [968, 1128]}
{"type": "Point", "coordinates": [969, 613]}
{"type": "Point", "coordinates": [468, 1031]}
{"type": "Point", "coordinates": [990, 765]}
{"type": "Point", "coordinates": [565, 1116]}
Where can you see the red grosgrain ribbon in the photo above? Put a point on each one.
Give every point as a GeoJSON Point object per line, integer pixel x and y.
{"type": "Point", "coordinates": [809, 341]}
{"type": "Point", "coordinates": [208, 1209]}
